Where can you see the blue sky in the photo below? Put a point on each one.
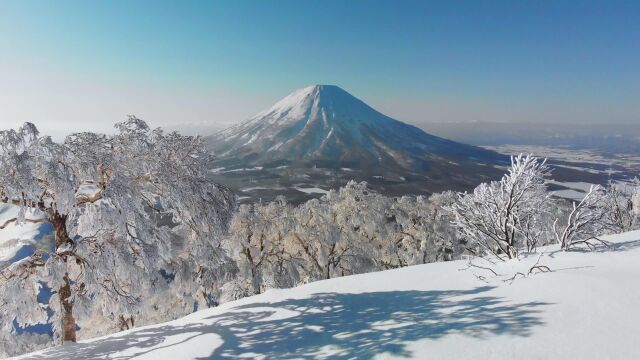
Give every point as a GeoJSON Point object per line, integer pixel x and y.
{"type": "Point", "coordinates": [86, 64]}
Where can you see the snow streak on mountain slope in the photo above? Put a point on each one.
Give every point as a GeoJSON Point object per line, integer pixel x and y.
{"type": "Point", "coordinates": [324, 122]}
{"type": "Point", "coordinates": [587, 308]}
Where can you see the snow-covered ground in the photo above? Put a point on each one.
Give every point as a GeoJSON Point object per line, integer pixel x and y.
{"type": "Point", "coordinates": [311, 190]}
{"type": "Point", "coordinates": [18, 240]}
{"type": "Point", "coordinates": [586, 308]}
{"type": "Point", "coordinates": [606, 164]}
{"type": "Point", "coordinates": [574, 190]}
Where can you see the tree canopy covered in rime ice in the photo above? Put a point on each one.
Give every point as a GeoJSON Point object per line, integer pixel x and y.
{"type": "Point", "coordinates": [137, 231]}
{"type": "Point", "coordinates": [348, 231]}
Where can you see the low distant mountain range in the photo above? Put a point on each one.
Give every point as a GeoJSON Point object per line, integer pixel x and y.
{"type": "Point", "coordinates": [319, 137]}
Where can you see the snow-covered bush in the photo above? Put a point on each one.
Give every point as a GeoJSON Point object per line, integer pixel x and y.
{"type": "Point", "coordinates": [618, 207]}
{"type": "Point", "coordinates": [602, 210]}
{"type": "Point", "coordinates": [137, 226]}
{"type": "Point", "coordinates": [586, 220]}
{"type": "Point", "coordinates": [502, 217]}
{"type": "Point", "coordinates": [635, 200]}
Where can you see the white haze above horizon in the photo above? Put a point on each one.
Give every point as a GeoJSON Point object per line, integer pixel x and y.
{"type": "Point", "coordinates": [64, 107]}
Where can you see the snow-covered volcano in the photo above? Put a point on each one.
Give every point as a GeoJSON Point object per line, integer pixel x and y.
{"type": "Point", "coordinates": [324, 122]}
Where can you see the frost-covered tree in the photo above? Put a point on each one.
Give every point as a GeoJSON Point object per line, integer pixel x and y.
{"type": "Point", "coordinates": [256, 242]}
{"type": "Point", "coordinates": [364, 219]}
{"type": "Point", "coordinates": [635, 200]}
{"type": "Point", "coordinates": [444, 238]}
{"type": "Point", "coordinates": [350, 230]}
{"type": "Point", "coordinates": [422, 233]}
{"type": "Point", "coordinates": [618, 207]}
{"type": "Point", "coordinates": [502, 217]}
{"type": "Point", "coordinates": [585, 221]}
{"type": "Point", "coordinates": [634, 194]}
{"type": "Point", "coordinates": [137, 226]}
{"type": "Point", "coordinates": [37, 173]}
{"type": "Point", "coordinates": [276, 245]}
{"type": "Point", "coordinates": [407, 244]}
{"type": "Point", "coordinates": [317, 240]}
{"type": "Point", "coordinates": [602, 210]}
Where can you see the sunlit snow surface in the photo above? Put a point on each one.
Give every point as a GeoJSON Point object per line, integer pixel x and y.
{"type": "Point", "coordinates": [312, 190]}
{"type": "Point", "coordinates": [580, 157]}
{"type": "Point", "coordinates": [17, 240]}
{"type": "Point", "coordinates": [587, 308]}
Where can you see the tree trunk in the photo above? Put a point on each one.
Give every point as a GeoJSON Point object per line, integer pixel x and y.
{"type": "Point", "coordinates": [59, 223]}
{"type": "Point", "coordinates": [254, 271]}
{"type": "Point", "coordinates": [254, 280]}
{"type": "Point", "coordinates": [68, 322]}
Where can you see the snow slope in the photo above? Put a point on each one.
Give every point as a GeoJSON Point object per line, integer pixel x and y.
{"type": "Point", "coordinates": [587, 308]}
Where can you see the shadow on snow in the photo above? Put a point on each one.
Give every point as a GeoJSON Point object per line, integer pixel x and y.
{"type": "Point", "coordinates": [347, 325]}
